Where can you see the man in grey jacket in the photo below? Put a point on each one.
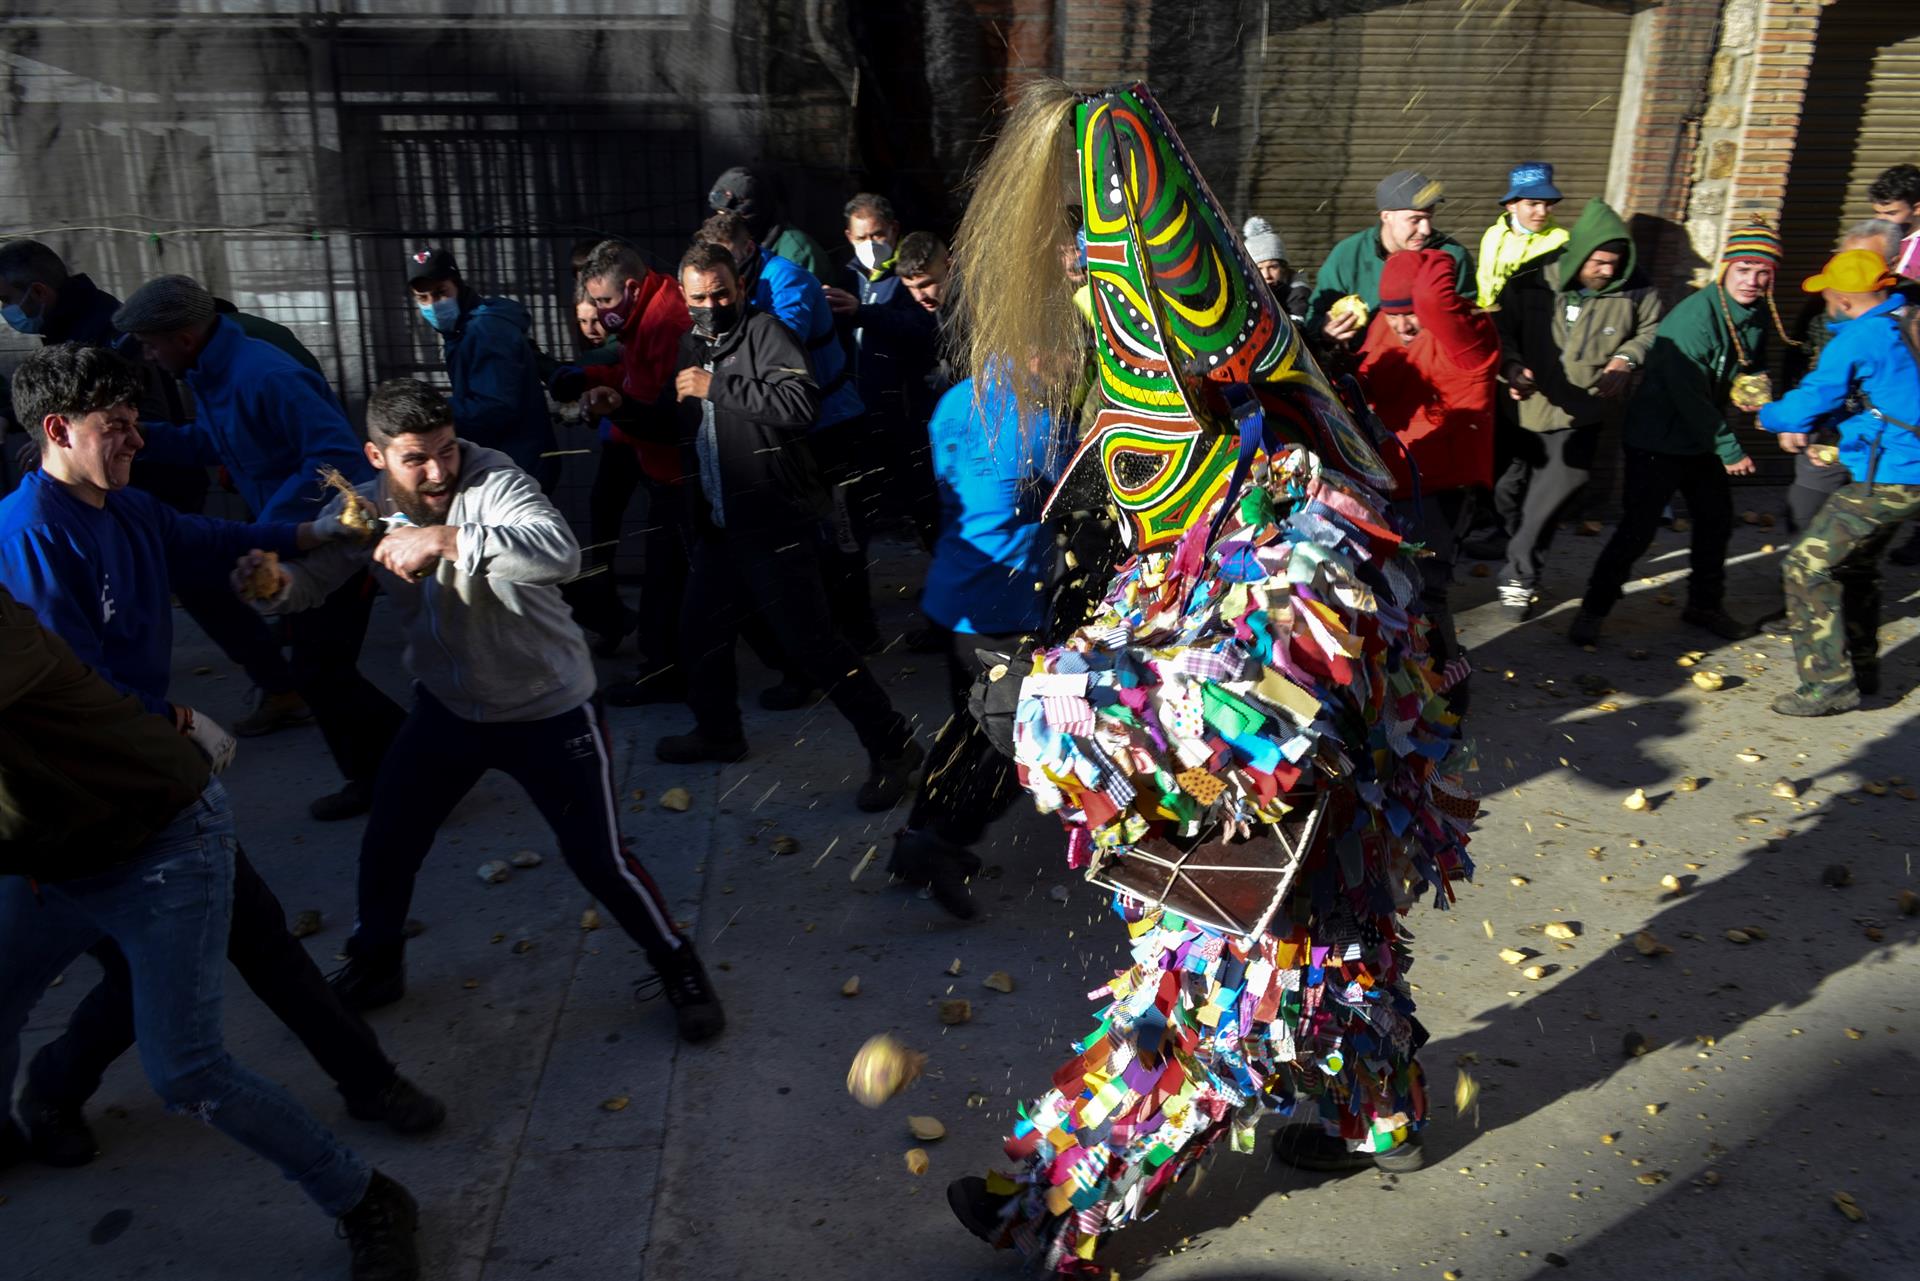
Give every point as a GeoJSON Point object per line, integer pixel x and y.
{"type": "Point", "coordinates": [472, 554]}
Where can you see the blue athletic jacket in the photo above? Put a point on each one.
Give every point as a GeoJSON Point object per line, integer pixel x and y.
{"type": "Point", "coordinates": [792, 295]}
{"type": "Point", "coordinates": [498, 398]}
{"type": "Point", "coordinates": [265, 417]}
{"type": "Point", "coordinates": [1864, 352]}
{"type": "Point", "coordinates": [100, 577]}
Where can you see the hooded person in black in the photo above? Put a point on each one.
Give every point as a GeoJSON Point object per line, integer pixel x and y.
{"type": "Point", "coordinates": [1574, 329]}
{"type": "Point", "coordinates": [746, 401]}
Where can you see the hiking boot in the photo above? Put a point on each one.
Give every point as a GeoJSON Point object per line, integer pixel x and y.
{"type": "Point", "coordinates": [57, 1133]}
{"type": "Point", "coordinates": [371, 978]}
{"type": "Point", "coordinates": [691, 749]}
{"type": "Point", "coordinates": [791, 694]}
{"type": "Point", "coordinates": [403, 1106]}
{"type": "Point", "coordinates": [1716, 620]}
{"type": "Point", "coordinates": [891, 778]}
{"type": "Point", "coordinates": [1517, 599]}
{"type": "Point", "coordinates": [980, 1212]}
{"type": "Point", "coordinates": [274, 711]}
{"type": "Point", "coordinates": [1866, 674]}
{"type": "Point", "coordinates": [351, 801]}
{"type": "Point", "coordinates": [1802, 702]}
{"type": "Point", "coordinates": [663, 683]}
{"type": "Point", "coordinates": [1308, 1147]}
{"type": "Point", "coordinates": [1585, 628]}
{"type": "Point", "coordinates": [380, 1232]}
{"type": "Point", "coordinates": [683, 980]}
{"type": "Point", "coordinates": [924, 858]}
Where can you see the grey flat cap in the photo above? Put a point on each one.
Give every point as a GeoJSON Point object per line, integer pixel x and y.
{"type": "Point", "coordinates": [163, 305]}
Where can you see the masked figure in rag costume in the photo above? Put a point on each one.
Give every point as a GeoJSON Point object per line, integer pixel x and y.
{"type": "Point", "coordinates": [1247, 741]}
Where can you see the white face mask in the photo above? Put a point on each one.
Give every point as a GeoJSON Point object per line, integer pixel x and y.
{"type": "Point", "coordinates": [872, 253]}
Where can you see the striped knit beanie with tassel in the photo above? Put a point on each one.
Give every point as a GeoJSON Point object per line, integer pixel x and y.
{"type": "Point", "coordinates": [1755, 241]}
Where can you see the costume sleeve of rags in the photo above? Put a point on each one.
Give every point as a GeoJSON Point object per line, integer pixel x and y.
{"type": "Point", "coordinates": [777, 388]}
{"type": "Point", "coordinates": [519, 536]}
{"type": "Point", "coordinates": [50, 574]}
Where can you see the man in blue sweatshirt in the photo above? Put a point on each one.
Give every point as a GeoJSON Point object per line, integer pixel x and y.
{"type": "Point", "coordinates": [274, 424]}
{"type": "Point", "coordinates": [1832, 575]}
{"type": "Point", "coordinates": [96, 560]}
{"type": "Point", "coordinates": [499, 398]}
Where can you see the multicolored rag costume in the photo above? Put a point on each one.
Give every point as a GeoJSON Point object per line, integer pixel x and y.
{"type": "Point", "coordinates": [1247, 741]}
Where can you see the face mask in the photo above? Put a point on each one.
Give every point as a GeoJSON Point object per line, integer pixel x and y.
{"type": "Point", "coordinates": [442, 313]}
{"type": "Point", "coordinates": [615, 318]}
{"type": "Point", "coordinates": [872, 253]}
{"type": "Point", "coordinates": [17, 317]}
{"type": "Point", "coordinates": [715, 321]}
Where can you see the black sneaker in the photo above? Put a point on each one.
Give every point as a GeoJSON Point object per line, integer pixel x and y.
{"type": "Point", "coordinates": [1866, 674]}
{"type": "Point", "coordinates": [403, 1106]}
{"type": "Point", "coordinates": [691, 749]}
{"type": "Point", "coordinates": [371, 979]}
{"type": "Point", "coordinates": [380, 1231]}
{"type": "Point", "coordinates": [791, 694]}
{"type": "Point", "coordinates": [1517, 599]}
{"type": "Point", "coordinates": [1801, 702]}
{"type": "Point", "coordinates": [651, 685]}
{"type": "Point", "coordinates": [683, 980]}
{"type": "Point", "coordinates": [1718, 621]}
{"type": "Point", "coordinates": [351, 801]}
{"type": "Point", "coordinates": [1585, 628]}
{"type": "Point", "coordinates": [980, 1212]}
{"type": "Point", "coordinates": [924, 858]}
{"type": "Point", "coordinates": [891, 778]}
{"type": "Point", "coordinates": [57, 1133]}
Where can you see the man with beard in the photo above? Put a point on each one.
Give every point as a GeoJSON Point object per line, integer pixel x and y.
{"type": "Point", "coordinates": [746, 400]}
{"type": "Point", "coordinates": [472, 557]}
{"type": "Point", "coordinates": [95, 560]}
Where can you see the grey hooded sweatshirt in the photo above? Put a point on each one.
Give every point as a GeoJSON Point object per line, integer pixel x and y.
{"type": "Point", "coordinates": [487, 635]}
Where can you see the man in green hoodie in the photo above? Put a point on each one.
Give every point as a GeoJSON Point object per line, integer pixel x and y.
{"type": "Point", "coordinates": [1677, 438]}
{"type": "Point", "coordinates": [1407, 200]}
{"type": "Point", "coordinates": [1573, 329]}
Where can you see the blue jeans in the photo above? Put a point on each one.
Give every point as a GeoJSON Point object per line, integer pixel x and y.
{"type": "Point", "coordinates": [168, 910]}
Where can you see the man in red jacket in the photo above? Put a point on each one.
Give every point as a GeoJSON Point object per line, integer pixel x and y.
{"type": "Point", "coordinates": [645, 310]}
{"type": "Point", "coordinates": [1428, 365]}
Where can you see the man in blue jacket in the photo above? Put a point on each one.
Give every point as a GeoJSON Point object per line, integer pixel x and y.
{"type": "Point", "coordinates": [499, 398]}
{"type": "Point", "coordinates": [1832, 575]}
{"type": "Point", "coordinates": [841, 437]}
{"type": "Point", "coordinates": [274, 424]}
{"type": "Point", "coordinates": [95, 560]}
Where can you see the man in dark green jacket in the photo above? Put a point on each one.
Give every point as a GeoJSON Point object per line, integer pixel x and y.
{"type": "Point", "coordinates": [1573, 330]}
{"type": "Point", "coordinates": [1407, 199]}
{"type": "Point", "coordinates": [1677, 437]}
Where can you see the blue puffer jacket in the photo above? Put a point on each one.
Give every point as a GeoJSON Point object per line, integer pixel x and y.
{"type": "Point", "coordinates": [268, 419]}
{"type": "Point", "coordinates": [499, 399]}
{"type": "Point", "coordinates": [1866, 352]}
{"type": "Point", "coordinates": [790, 294]}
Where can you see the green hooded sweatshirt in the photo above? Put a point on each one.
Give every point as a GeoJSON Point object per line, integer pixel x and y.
{"type": "Point", "coordinates": [1681, 406]}
{"type": "Point", "coordinates": [1564, 336]}
{"type": "Point", "coordinates": [1353, 267]}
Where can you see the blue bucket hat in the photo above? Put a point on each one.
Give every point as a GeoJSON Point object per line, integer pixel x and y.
{"type": "Point", "coordinates": [1530, 180]}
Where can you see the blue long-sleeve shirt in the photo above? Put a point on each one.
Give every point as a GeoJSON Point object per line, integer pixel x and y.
{"type": "Point", "coordinates": [994, 480]}
{"type": "Point", "coordinates": [791, 295]}
{"type": "Point", "coordinates": [101, 577]}
{"type": "Point", "coordinates": [269, 420]}
{"type": "Point", "coordinates": [1865, 352]}
{"type": "Point", "coordinates": [498, 397]}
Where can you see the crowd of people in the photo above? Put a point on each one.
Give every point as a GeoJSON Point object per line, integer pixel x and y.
{"type": "Point", "coordinates": [776, 411]}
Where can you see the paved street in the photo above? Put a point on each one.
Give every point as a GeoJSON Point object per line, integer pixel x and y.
{"type": "Point", "coordinates": [584, 1143]}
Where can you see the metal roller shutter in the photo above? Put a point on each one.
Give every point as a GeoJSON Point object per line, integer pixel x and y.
{"type": "Point", "coordinates": [1862, 115]}
{"type": "Point", "coordinates": [1348, 91]}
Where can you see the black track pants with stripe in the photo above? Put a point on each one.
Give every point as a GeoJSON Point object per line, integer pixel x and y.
{"type": "Point", "coordinates": [564, 762]}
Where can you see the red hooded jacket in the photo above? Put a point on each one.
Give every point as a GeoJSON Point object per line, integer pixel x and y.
{"type": "Point", "coordinates": [649, 359]}
{"type": "Point", "coordinates": [1436, 392]}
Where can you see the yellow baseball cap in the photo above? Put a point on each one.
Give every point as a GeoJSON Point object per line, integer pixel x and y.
{"type": "Point", "coordinates": [1854, 271]}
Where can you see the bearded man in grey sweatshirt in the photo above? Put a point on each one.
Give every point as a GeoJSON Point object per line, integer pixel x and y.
{"type": "Point", "coordinates": [472, 554]}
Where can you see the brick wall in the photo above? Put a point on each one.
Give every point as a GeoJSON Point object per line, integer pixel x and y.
{"type": "Point", "coordinates": [1677, 52]}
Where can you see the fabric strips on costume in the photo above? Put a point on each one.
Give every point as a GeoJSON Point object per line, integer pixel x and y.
{"type": "Point", "coordinates": [1248, 745]}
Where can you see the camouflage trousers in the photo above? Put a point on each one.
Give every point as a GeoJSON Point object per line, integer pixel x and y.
{"type": "Point", "coordinates": [1832, 582]}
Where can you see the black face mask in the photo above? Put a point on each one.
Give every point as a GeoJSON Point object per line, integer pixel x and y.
{"type": "Point", "coordinates": [715, 321]}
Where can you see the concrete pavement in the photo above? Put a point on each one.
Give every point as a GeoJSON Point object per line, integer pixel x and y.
{"type": "Point", "coordinates": [1716, 1154]}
